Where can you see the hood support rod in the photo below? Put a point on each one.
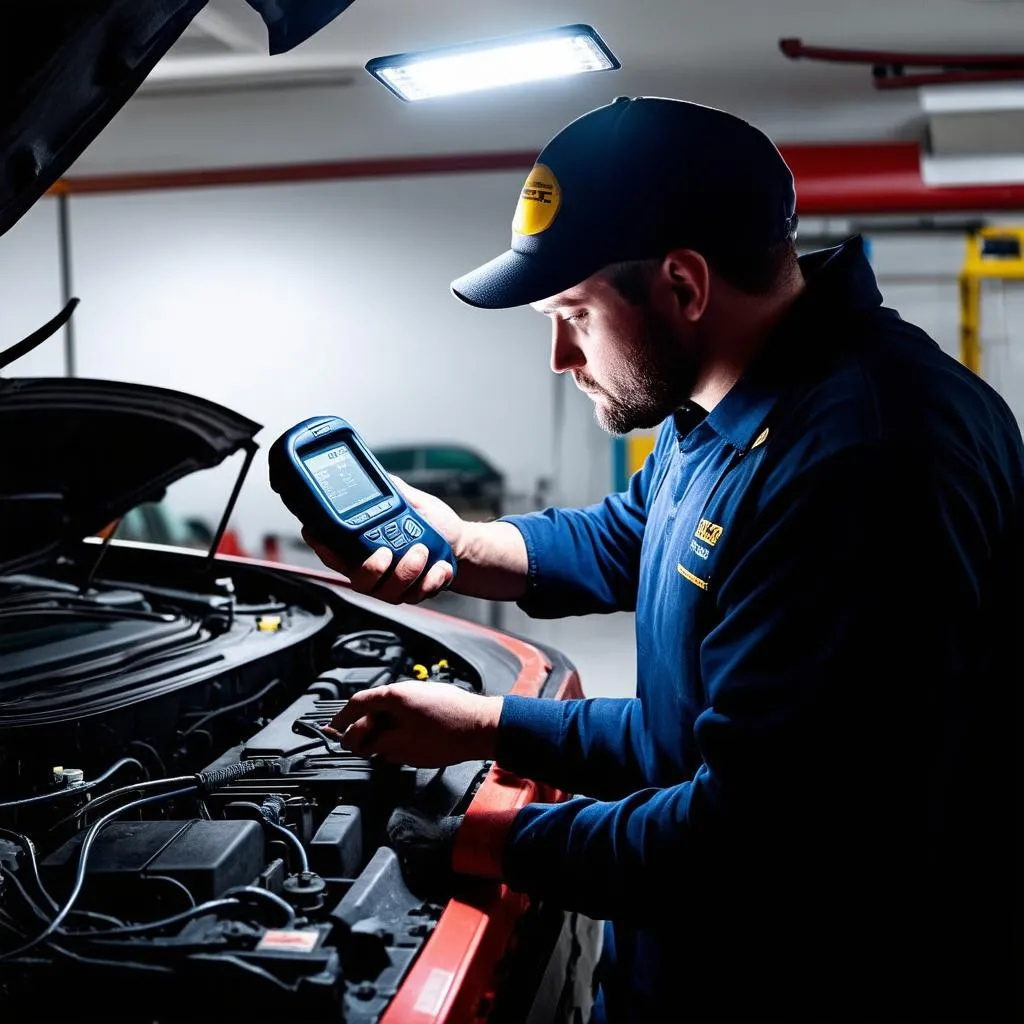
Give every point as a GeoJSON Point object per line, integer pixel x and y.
{"type": "Point", "coordinates": [250, 452]}
{"type": "Point", "coordinates": [37, 337]}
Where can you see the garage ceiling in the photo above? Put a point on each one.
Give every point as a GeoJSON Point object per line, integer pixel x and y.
{"type": "Point", "coordinates": [721, 52]}
{"type": "Point", "coordinates": [652, 33]}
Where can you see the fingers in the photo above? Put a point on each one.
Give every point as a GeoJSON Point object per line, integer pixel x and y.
{"type": "Point", "coordinates": [362, 578]}
{"type": "Point", "coordinates": [410, 582]}
{"type": "Point", "coordinates": [370, 573]}
{"type": "Point", "coordinates": [407, 572]}
{"type": "Point", "coordinates": [361, 736]}
{"type": "Point", "coordinates": [365, 703]}
{"type": "Point", "coordinates": [377, 736]}
{"type": "Point", "coordinates": [436, 579]}
{"type": "Point", "coordinates": [325, 554]}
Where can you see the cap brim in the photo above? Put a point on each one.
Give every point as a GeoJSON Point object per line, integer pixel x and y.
{"type": "Point", "coordinates": [517, 279]}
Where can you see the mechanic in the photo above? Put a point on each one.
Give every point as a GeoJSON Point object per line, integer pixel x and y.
{"type": "Point", "coordinates": [808, 811]}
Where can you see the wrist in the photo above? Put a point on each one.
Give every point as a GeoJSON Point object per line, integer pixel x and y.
{"type": "Point", "coordinates": [487, 725]}
{"type": "Point", "coordinates": [466, 541]}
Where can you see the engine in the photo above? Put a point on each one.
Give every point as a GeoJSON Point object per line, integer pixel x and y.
{"type": "Point", "coordinates": [179, 836]}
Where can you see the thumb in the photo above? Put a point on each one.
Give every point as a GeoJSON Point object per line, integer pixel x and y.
{"type": "Point", "coordinates": [413, 495]}
{"type": "Point", "coordinates": [401, 484]}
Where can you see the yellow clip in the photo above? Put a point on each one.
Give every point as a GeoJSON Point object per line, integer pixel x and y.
{"type": "Point", "coordinates": [420, 671]}
{"type": "Point", "coordinates": [443, 663]}
{"type": "Point", "coordinates": [268, 623]}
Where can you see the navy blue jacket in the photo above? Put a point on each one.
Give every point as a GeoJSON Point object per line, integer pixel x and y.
{"type": "Point", "coordinates": [809, 809]}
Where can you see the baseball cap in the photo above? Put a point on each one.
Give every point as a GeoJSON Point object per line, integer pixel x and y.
{"type": "Point", "coordinates": [632, 180]}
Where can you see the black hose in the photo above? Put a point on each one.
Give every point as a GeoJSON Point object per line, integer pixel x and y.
{"type": "Point", "coordinates": [167, 922]}
{"type": "Point", "coordinates": [42, 915]}
{"type": "Point", "coordinates": [121, 791]}
{"type": "Point", "coordinates": [267, 897]}
{"type": "Point", "coordinates": [83, 858]}
{"type": "Point", "coordinates": [73, 790]}
{"type": "Point", "coordinates": [151, 750]}
{"type": "Point", "coordinates": [231, 707]}
{"type": "Point", "coordinates": [13, 879]}
{"type": "Point", "coordinates": [30, 849]}
{"type": "Point", "coordinates": [286, 834]}
{"type": "Point", "coordinates": [119, 964]}
{"type": "Point", "coordinates": [180, 886]}
{"type": "Point", "coordinates": [214, 778]}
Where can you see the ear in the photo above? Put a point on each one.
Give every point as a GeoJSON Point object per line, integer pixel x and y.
{"type": "Point", "coordinates": [686, 274]}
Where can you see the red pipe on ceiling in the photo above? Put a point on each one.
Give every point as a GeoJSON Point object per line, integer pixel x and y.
{"type": "Point", "coordinates": [889, 66]}
{"type": "Point", "coordinates": [869, 178]}
{"type": "Point", "coordinates": [796, 48]}
{"type": "Point", "coordinates": [884, 178]}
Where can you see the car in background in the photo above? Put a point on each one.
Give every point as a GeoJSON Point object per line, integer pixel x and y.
{"type": "Point", "coordinates": [457, 474]}
{"type": "Point", "coordinates": [153, 522]}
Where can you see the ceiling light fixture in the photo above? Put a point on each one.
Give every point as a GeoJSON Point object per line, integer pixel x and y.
{"type": "Point", "coordinates": [491, 63]}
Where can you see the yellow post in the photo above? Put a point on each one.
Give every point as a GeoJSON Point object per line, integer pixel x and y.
{"type": "Point", "coordinates": [970, 321]}
{"type": "Point", "coordinates": [638, 447]}
{"type": "Point", "coordinates": [994, 254]}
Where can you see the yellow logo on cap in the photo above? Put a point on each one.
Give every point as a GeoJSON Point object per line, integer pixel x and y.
{"type": "Point", "coordinates": [538, 202]}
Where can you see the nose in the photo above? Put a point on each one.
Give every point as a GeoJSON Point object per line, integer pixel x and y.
{"type": "Point", "coordinates": [565, 353]}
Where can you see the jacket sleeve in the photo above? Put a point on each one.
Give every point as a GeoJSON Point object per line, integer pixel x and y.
{"type": "Point", "coordinates": [588, 559]}
{"type": "Point", "coordinates": [593, 746]}
{"type": "Point", "coordinates": [804, 619]}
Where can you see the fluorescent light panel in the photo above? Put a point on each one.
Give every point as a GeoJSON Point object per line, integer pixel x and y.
{"type": "Point", "coordinates": [489, 64]}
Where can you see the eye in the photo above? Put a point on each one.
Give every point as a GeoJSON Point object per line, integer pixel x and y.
{"type": "Point", "coordinates": [577, 317]}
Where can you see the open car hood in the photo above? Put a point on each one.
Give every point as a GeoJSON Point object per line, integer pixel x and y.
{"type": "Point", "coordinates": [77, 454]}
{"type": "Point", "coordinates": [68, 66]}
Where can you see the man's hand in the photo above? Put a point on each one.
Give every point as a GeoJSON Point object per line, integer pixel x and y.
{"type": "Point", "coordinates": [428, 725]}
{"type": "Point", "coordinates": [412, 580]}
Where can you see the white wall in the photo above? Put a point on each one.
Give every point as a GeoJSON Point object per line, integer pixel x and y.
{"type": "Point", "coordinates": [288, 301]}
{"type": "Point", "coordinates": [1002, 341]}
{"type": "Point", "coordinates": [30, 290]}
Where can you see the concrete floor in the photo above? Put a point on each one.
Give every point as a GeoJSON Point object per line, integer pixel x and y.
{"type": "Point", "coordinates": [600, 646]}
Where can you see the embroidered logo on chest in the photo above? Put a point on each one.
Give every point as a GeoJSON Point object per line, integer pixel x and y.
{"type": "Point", "coordinates": [708, 532]}
{"type": "Point", "coordinates": [704, 538]}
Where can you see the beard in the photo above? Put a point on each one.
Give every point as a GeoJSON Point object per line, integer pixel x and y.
{"type": "Point", "coordinates": [655, 379]}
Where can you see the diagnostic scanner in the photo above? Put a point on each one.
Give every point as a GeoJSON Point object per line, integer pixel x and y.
{"type": "Point", "coordinates": [330, 480]}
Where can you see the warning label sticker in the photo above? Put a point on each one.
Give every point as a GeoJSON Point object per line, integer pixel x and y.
{"type": "Point", "coordinates": [294, 940]}
{"type": "Point", "coordinates": [435, 988]}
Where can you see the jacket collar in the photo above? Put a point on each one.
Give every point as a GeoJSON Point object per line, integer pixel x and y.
{"type": "Point", "coordinates": [840, 284]}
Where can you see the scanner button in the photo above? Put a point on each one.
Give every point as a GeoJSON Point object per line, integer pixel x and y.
{"type": "Point", "coordinates": [398, 541]}
{"type": "Point", "coordinates": [412, 528]}
{"type": "Point", "coordinates": [372, 535]}
{"type": "Point", "coordinates": [391, 530]}
{"type": "Point", "coordinates": [361, 518]}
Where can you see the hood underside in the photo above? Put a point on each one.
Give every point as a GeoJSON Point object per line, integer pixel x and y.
{"type": "Point", "coordinates": [68, 66]}
{"type": "Point", "coordinates": [77, 454]}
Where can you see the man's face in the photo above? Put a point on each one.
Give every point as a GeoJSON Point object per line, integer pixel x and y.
{"type": "Point", "coordinates": [637, 362]}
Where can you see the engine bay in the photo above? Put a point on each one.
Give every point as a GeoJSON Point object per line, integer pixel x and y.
{"type": "Point", "coordinates": [173, 818]}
